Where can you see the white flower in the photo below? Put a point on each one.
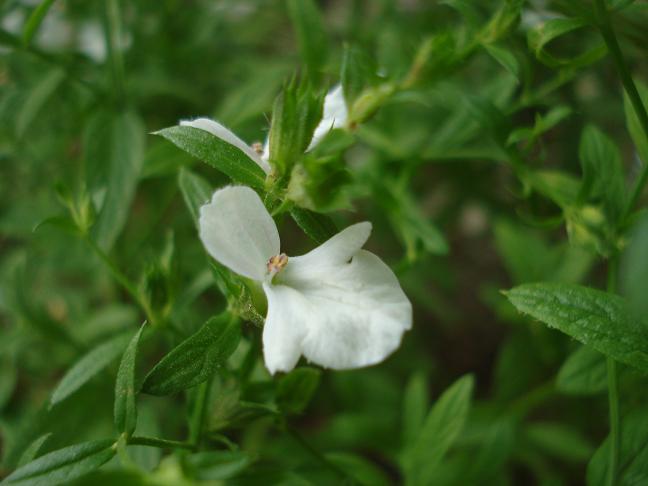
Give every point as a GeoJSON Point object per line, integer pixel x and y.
{"type": "Point", "coordinates": [339, 306]}
{"type": "Point", "coordinates": [334, 116]}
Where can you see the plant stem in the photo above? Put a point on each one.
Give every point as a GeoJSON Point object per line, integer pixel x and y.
{"type": "Point", "coordinates": [605, 26]}
{"type": "Point", "coordinates": [161, 443]}
{"type": "Point", "coordinates": [613, 397]}
{"type": "Point", "coordinates": [121, 279]}
{"type": "Point", "coordinates": [198, 414]}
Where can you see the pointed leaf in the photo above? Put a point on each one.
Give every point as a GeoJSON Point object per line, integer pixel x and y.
{"type": "Point", "coordinates": [296, 389]}
{"type": "Point", "coordinates": [195, 359]}
{"type": "Point", "coordinates": [125, 406]}
{"type": "Point", "coordinates": [593, 317]}
{"type": "Point", "coordinates": [88, 366]}
{"type": "Point", "coordinates": [318, 227]}
{"type": "Point", "coordinates": [195, 190]}
{"type": "Point", "coordinates": [584, 373]}
{"type": "Point", "coordinates": [63, 465]}
{"type": "Point", "coordinates": [214, 151]}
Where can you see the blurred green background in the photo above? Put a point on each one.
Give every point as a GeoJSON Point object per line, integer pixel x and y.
{"type": "Point", "coordinates": [458, 172]}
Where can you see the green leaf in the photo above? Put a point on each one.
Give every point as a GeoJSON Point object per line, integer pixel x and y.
{"type": "Point", "coordinates": [195, 190]}
{"type": "Point", "coordinates": [318, 227]}
{"type": "Point", "coordinates": [358, 72]}
{"type": "Point", "coordinates": [505, 58]}
{"type": "Point", "coordinates": [195, 359]}
{"type": "Point", "coordinates": [114, 154]}
{"type": "Point", "coordinates": [545, 32]}
{"type": "Point", "coordinates": [216, 152]}
{"type": "Point", "coordinates": [602, 170]}
{"type": "Point", "coordinates": [559, 187]}
{"type": "Point", "coordinates": [34, 21]}
{"type": "Point", "coordinates": [295, 390]}
{"type": "Point", "coordinates": [125, 406]}
{"type": "Point", "coordinates": [634, 268]}
{"type": "Point", "coordinates": [31, 451]}
{"type": "Point", "coordinates": [584, 373]}
{"type": "Point", "coordinates": [633, 454]}
{"type": "Point", "coordinates": [88, 366]}
{"type": "Point", "coordinates": [442, 426]}
{"type": "Point", "coordinates": [559, 441]}
{"type": "Point", "coordinates": [311, 36]}
{"type": "Point", "coordinates": [415, 405]}
{"type": "Point", "coordinates": [598, 319]}
{"type": "Point", "coordinates": [37, 98]}
{"type": "Point", "coordinates": [63, 465]}
{"type": "Point", "coordinates": [362, 470]}
{"type": "Point", "coordinates": [632, 122]}
{"type": "Point", "coordinates": [216, 465]}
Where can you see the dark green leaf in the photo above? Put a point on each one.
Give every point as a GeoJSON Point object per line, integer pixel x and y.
{"type": "Point", "coordinates": [63, 465]}
{"type": "Point", "coordinates": [359, 71]}
{"type": "Point", "coordinates": [311, 36]}
{"type": "Point", "coordinates": [195, 359]}
{"type": "Point", "coordinates": [362, 470]}
{"type": "Point", "coordinates": [442, 426]}
{"type": "Point", "coordinates": [559, 440]}
{"type": "Point", "coordinates": [195, 190]}
{"type": "Point", "coordinates": [295, 390]}
{"type": "Point", "coordinates": [216, 152]}
{"type": "Point", "coordinates": [584, 373]}
{"type": "Point", "coordinates": [505, 58]}
{"type": "Point", "coordinates": [598, 319]}
{"type": "Point", "coordinates": [125, 406]}
{"type": "Point", "coordinates": [318, 227]}
{"type": "Point", "coordinates": [32, 450]}
{"type": "Point", "coordinates": [88, 366]}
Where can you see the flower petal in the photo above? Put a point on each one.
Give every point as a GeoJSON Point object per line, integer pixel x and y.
{"type": "Point", "coordinates": [228, 136]}
{"type": "Point", "coordinates": [323, 260]}
{"type": "Point", "coordinates": [355, 315]}
{"type": "Point", "coordinates": [238, 231]}
{"type": "Point", "coordinates": [284, 330]}
{"type": "Point", "coordinates": [334, 115]}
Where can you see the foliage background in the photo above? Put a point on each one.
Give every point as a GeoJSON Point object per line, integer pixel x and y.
{"type": "Point", "coordinates": [473, 173]}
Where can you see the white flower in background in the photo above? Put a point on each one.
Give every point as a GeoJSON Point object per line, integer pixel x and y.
{"type": "Point", "coordinates": [339, 306]}
{"type": "Point", "coordinates": [334, 115]}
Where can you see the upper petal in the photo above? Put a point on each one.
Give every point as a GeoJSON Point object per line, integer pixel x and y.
{"type": "Point", "coordinates": [228, 136]}
{"type": "Point", "coordinates": [336, 251]}
{"type": "Point", "coordinates": [355, 315]}
{"type": "Point", "coordinates": [334, 115]}
{"type": "Point", "coordinates": [238, 231]}
{"type": "Point", "coordinates": [284, 328]}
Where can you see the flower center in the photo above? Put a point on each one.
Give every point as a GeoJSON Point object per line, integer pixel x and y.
{"type": "Point", "coordinates": [277, 263]}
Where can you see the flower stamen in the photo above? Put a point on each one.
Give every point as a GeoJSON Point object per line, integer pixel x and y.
{"type": "Point", "coordinates": [277, 263]}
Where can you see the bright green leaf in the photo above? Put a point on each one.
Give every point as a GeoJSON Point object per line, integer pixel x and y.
{"type": "Point", "coordinates": [593, 317]}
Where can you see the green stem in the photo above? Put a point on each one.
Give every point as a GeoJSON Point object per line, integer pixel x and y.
{"type": "Point", "coordinates": [605, 26]}
{"type": "Point", "coordinates": [121, 279]}
{"type": "Point", "coordinates": [197, 420]}
{"type": "Point", "coordinates": [113, 41]}
{"type": "Point", "coordinates": [161, 443]}
{"type": "Point", "coordinates": [613, 397]}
